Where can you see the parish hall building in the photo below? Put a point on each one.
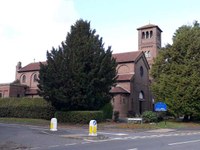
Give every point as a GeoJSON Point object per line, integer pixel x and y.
{"type": "Point", "coordinates": [131, 95]}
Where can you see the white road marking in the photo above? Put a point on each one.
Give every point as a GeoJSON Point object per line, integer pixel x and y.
{"type": "Point", "coordinates": [117, 139]}
{"type": "Point", "coordinates": [35, 148]}
{"type": "Point", "coordinates": [52, 146]}
{"type": "Point", "coordinates": [186, 142]}
{"type": "Point", "coordinates": [145, 137]}
{"type": "Point", "coordinates": [142, 137]}
{"type": "Point", "coordinates": [106, 140]}
{"type": "Point", "coordinates": [88, 141]}
{"type": "Point", "coordinates": [37, 128]}
{"type": "Point", "coordinates": [70, 144]}
{"type": "Point", "coordinates": [119, 134]}
{"type": "Point", "coordinates": [133, 149]}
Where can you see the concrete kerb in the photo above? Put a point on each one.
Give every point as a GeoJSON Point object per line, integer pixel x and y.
{"type": "Point", "coordinates": [85, 137]}
{"type": "Point", "coordinates": [162, 130]}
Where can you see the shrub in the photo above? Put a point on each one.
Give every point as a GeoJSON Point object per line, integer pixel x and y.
{"type": "Point", "coordinates": [79, 116]}
{"type": "Point", "coordinates": [116, 116]}
{"type": "Point", "coordinates": [195, 117]}
{"type": "Point", "coordinates": [36, 108]}
{"type": "Point", "coordinates": [131, 113]}
{"type": "Point", "coordinates": [149, 116]}
{"type": "Point", "coordinates": [107, 111]}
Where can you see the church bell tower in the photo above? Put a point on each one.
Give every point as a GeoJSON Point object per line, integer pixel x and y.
{"type": "Point", "coordinates": [149, 41]}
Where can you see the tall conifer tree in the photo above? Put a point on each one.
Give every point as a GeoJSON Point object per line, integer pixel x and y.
{"type": "Point", "coordinates": [80, 73]}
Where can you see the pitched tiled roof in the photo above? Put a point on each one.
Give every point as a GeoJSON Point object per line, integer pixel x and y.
{"type": "Point", "coordinates": [124, 77]}
{"type": "Point", "coordinates": [149, 26]}
{"type": "Point", "coordinates": [126, 57]}
{"type": "Point", "coordinates": [12, 84]}
{"type": "Point", "coordinates": [31, 67]}
{"type": "Point", "coordinates": [116, 90]}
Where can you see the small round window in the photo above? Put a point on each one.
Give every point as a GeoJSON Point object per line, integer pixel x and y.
{"type": "Point", "coordinates": [141, 71]}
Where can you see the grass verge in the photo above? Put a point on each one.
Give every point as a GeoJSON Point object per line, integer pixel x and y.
{"type": "Point", "coordinates": [160, 125]}
{"type": "Point", "coordinates": [28, 121]}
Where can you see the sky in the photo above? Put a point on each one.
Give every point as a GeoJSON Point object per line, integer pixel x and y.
{"type": "Point", "coordinates": [28, 28]}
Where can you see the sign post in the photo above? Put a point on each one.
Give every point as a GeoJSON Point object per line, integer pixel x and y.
{"type": "Point", "coordinates": [160, 107]}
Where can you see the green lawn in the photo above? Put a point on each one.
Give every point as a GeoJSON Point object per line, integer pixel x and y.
{"type": "Point", "coordinates": [163, 124]}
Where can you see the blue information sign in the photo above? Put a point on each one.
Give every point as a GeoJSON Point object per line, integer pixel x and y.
{"type": "Point", "coordinates": [160, 106]}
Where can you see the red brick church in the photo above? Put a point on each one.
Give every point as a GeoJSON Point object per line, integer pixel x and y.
{"type": "Point", "coordinates": [132, 93]}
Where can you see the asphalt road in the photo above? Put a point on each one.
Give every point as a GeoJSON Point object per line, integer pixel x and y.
{"type": "Point", "coordinates": [23, 137]}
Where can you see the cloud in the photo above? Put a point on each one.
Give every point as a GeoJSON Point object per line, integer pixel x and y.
{"type": "Point", "coordinates": [29, 28]}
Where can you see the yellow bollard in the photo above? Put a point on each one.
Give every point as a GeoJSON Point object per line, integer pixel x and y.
{"type": "Point", "coordinates": [53, 124]}
{"type": "Point", "coordinates": [93, 128]}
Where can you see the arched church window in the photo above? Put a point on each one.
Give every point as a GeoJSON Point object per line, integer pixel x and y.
{"type": "Point", "coordinates": [35, 78]}
{"type": "Point", "coordinates": [123, 69]}
{"type": "Point", "coordinates": [147, 54]}
{"type": "Point", "coordinates": [113, 100]}
{"type": "Point", "coordinates": [151, 34]}
{"type": "Point", "coordinates": [158, 38]}
{"type": "Point", "coordinates": [141, 99]}
{"type": "Point", "coordinates": [141, 95]}
{"type": "Point", "coordinates": [141, 71]}
{"type": "Point", "coordinates": [124, 101]}
{"type": "Point", "coordinates": [143, 35]}
{"type": "Point", "coordinates": [24, 79]}
{"type": "Point", "coordinates": [147, 35]}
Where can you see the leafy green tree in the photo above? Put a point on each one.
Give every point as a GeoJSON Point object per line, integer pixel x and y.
{"type": "Point", "coordinates": [80, 73]}
{"type": "Point", "coordinates": [176, 73]}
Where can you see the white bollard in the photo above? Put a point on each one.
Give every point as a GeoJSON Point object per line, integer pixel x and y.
{"type": "Point", "coordinates": [93, 128]}
{"type": "Point", "coordinates": [53, 124]}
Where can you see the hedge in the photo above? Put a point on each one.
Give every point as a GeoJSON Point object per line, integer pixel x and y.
{"type": "Point", "coordinates": [36, 108]}
{"type": "Point", "coordinates": [79, 116]}
{"type": "Point", "coordinates": [107, 111]}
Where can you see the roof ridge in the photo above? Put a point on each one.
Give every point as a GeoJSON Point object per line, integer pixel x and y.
{"type": "Point", "coordinates": [123, 88]}
{"type": "Point", "coordinates": [127, 52]}
{"type": "Point", "coordinates": [118, 86]}
{"type": "Point", "coordinates": [130, 73]}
